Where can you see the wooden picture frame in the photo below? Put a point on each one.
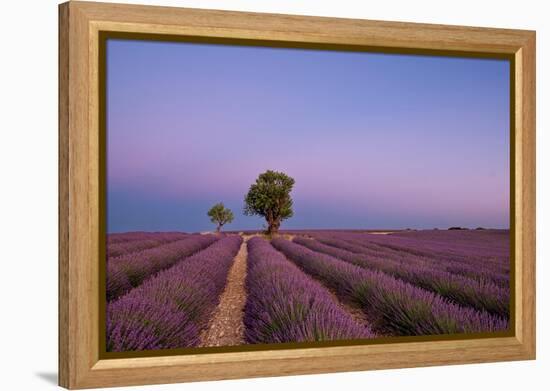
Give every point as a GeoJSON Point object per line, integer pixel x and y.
{"type": "Point", "coordinates": [80, 199]}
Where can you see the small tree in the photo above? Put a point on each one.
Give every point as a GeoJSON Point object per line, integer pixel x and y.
{"type": "Point", "coordinates": [270, 197]}
{"type": "Point", "coordinates": [220, 215]}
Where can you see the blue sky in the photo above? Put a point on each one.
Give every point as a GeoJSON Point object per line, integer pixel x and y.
{"type": "Point", "coordinates": [372, 140]}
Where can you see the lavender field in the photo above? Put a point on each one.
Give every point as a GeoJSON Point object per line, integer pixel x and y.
{"type": "Point", "coordinates": [174, 290]}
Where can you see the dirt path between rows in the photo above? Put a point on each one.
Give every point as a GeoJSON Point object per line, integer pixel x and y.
{"type": "Point", "coordinates": [226, 327]}
{"type": "Point", "coordinates": [353, 309]}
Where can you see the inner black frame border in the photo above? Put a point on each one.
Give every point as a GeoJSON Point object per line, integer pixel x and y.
{"type": "Point", "coordinates": [104, 36]}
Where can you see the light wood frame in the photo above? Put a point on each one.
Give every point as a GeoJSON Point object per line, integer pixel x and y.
{"type": "Point", "coordinates": [80, 365]}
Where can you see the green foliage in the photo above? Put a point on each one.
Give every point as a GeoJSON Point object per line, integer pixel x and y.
{"type": "Point", "coordinates": [269, 197]}
{"type": "Point", "coordinates": [220, 215]}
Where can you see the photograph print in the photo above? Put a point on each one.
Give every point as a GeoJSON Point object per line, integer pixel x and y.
{"type": "Point", "coordinates": [263, 195]}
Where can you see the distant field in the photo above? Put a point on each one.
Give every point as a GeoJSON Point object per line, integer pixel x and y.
{"type": "Point", "coordinates": [173, 289]}
{"type": "Point", "coordinates": [307, 231]}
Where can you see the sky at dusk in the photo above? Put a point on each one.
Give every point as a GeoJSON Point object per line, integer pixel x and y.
{"type": "Point", "coordinates": [372, 140]}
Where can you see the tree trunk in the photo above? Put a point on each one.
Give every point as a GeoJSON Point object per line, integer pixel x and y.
{"type": "Point", "coordinates": [218, 228]}
{"type": "Point", "coordinates": [273, 226]}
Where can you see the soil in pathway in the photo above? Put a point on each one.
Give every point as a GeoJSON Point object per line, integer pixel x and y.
{"type": "Point", "coordinates": [226, 327]}
{"type": "Point", "coordinates": [353, 309]}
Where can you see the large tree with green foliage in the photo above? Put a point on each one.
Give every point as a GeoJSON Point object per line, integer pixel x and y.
{"type": "Point", "coordinates": [269, 197]}
{"type": "Point", "coordinates": [220, 215]}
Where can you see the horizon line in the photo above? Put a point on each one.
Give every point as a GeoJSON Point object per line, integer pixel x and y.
{"type": "Point", "coordinates": [325, 229]}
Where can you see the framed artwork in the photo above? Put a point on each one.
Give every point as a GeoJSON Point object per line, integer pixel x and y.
{"type": "Point", "coordinates": [247, 195]}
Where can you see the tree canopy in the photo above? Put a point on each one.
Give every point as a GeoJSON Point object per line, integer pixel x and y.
{"type": "Point", "coordinates": [220, 215]}
{"type": "Point", "coordinates": [269, 197]}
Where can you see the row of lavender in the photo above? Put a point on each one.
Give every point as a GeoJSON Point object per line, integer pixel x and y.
{"type": "Point", "coordinates": [129, 271]}
{"type": "Point", "coordinates": [285, 305]}
{"type": "Point", "coordinates": [395, 307]}
{"type": "Point", "coordinates": [170, 309]}
{"type": "Point", "coordinates": [123, 237]}
{"type": "Point", "coordinates": [124, 247]}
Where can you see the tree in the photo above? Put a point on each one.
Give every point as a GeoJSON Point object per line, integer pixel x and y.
{"type": "Point", "coordinates": [220, 215]}
{"type": "Point", "coordinates": [270, 197]}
